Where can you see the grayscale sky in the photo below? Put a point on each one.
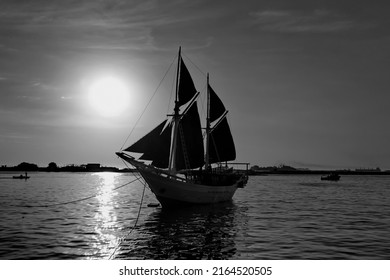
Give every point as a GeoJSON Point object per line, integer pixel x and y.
{"type": "Point", "coordinates": [306, 82]}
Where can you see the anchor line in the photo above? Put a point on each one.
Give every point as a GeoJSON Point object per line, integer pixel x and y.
{"type": "Point", "coordinates": [81, 199]}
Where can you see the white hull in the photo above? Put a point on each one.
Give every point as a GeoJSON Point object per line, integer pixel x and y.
{"type": "Point", "coordinates": [171, 191]}
{"type": "Point", "coordinates": [175, 191]}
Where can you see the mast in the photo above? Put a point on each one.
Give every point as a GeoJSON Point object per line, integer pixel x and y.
{"type": "Point", "coordinates": [207, 160]}
{"type": "Point", "coordinates": [176, 120]}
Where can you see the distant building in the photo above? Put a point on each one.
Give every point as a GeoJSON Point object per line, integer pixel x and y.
{"type": "Point", "coordinates": [368, 169]}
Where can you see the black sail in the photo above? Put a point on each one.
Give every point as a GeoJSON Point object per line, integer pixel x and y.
{"type": "Point", "coordinates": [155, 145]}
{"type": "Point", "coordinates": [221, 143]}
{"type": "Point", "coordinates": [186, 85]}
{"type": "Point", "coordinates": [143, 144]}
{"type": "Point", "coordinates": [190, 150]}
{"type": "Point", "coordinates": [159, 153]}
{"type": "Point", "coordinates": [216, 106]}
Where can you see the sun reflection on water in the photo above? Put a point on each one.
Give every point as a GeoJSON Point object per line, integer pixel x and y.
{"type": "Point", "coordinates": [106, 217]}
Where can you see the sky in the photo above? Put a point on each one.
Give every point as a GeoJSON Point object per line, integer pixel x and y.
{"type": "Point", "coordinates": [306, 83]}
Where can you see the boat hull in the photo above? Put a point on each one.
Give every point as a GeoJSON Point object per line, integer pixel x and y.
{"type": "Point", "coordinates": [330, 178]}
{"type": "Point", "coordinates": [174, 191]}
{"type": "Point", "coordinates": [21, 177]}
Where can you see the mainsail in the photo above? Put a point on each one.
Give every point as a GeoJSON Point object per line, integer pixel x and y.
{"type": "Point", "coordinates": [217, 109]}
{"type": "Point", "coordinates": [221, 143]}
{"type": "Point", "coordinates": [186, 88]}
{"type": "Point", "coordinates": [190, 143]}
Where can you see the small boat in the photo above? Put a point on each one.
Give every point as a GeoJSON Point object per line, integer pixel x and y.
{"type": "Point", "coordinates": [25, 177]}
{"type": "Point", "coordinates": [185, 169]}
{"type": "Point", "coordinates": [331, 177]}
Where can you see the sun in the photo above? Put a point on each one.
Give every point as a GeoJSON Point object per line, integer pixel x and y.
{"type": "Point", "coordinates": [109, 96]}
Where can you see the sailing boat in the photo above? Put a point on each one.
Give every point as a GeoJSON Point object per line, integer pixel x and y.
{"type": "Point", "coordinates": [181, 171]}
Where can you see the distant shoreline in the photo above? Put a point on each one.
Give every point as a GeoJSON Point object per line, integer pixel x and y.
{"type": "Point", "coordinates": [30, 167]}
{"type": "Point", "coordinates": [254, 171]}
{"type": "Point", "coordinates": [318, 172]}
{"type": "Point", "coordinates": [250, 173]}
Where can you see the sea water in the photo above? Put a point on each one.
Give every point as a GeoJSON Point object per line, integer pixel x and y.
{"type": "Point", "coordinates": [106, 216]}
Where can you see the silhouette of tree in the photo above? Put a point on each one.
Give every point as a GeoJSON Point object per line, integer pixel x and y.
{"type": "Point", "coordinates": [52, 166]}
{"type": "Point", "coordinates": [24, 166]}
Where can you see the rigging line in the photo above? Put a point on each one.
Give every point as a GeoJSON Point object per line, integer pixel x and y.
{"type": "Point", "coordinates": [134, 226]}
{"type": "Point", "coordinates": [147, 105]}
{"type": "Point", "coordinates": [171, 95]}
{"type": "Point", "coordinates": [196, 66]}
{"type": "Point", "coordinates": [81, 199]}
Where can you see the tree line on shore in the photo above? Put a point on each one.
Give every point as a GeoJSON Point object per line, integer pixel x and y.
{"type": "Point", "coordinates": [53, 167]}
{"type": "Point", "coordinates": [285, 169]}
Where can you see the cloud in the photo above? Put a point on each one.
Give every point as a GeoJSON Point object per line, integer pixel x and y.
{"type": "Point", "coordinates": [14, 136]}
{"type": "Point", "coordinates": [72, 24]}
{"type": "Point", "coordinates": [319, 21]}
{"type": "Point", "coordinates": [112, 25]}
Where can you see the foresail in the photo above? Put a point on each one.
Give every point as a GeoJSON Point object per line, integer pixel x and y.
{"type": "Point", "coordinates": [159, 153]}
{"type": "Point", "coordinates": [186, 87]}
{"type": "Point", "coordinates": [221, 143]}
{"type": "Point", "coordinates": [155, 145]}
{"type": "Point", "coordinates": [190, 152]}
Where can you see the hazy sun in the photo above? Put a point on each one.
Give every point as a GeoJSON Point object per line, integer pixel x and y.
{"type": "Point", "coordinates": [109, 96]}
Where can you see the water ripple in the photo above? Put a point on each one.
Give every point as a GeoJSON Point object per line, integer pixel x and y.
{"type": "Point", "coordinates": [274, 217]}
